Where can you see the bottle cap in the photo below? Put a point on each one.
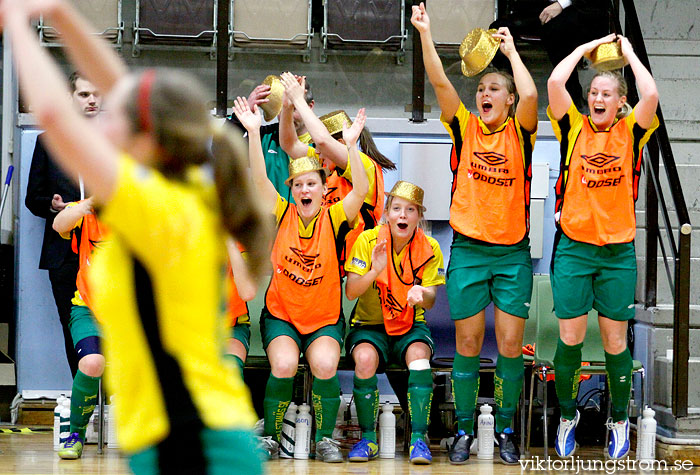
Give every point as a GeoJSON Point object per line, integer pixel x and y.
{"type": "Point", "coordinates": [486, 409]}
{"type": "Point", "coordinates": [648, 412]}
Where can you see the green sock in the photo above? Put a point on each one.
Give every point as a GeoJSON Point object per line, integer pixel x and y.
{"type": "Point", "coordinates": [619, 369]}
{"type": "Point", "coordinates": [508, 382]}
{"type": "Point", "coordinates": [420, 395]}
{"type": "Point", "coordinates": [325, 394]}
{"type": "Point", "coordinates": [239, 362]}
{"type": "Point", "coordinates": [366, 396]}
{"type": "Point", "coordinates": [82, 402]}
{"type": "Point", "coordinates": [465, 390]}
{"type": "Point", "coordinates": [567, 367]}
{"type": "Point", "coordinates": [278, 395]}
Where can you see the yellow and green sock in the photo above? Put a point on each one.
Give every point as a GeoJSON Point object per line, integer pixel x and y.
{"type": "Point", "coordinates": [465, 390]}
{"type": "Point", "coordinates": [420, 396]}
{"type": "Point", "coordinates": [619, 369]}
{"type": "Point", "coordinates": [567, 367]}
{"type": "Point", "coordinates": [82, 402]}
{"type": "Point", "coordinates": [326, 398]}
{"type": "Point", "coordinates": [278, 395]}
{"type": "Point", "coordinates": [366, 397]}
{"type": "Point", "coordinates": [508, 383]}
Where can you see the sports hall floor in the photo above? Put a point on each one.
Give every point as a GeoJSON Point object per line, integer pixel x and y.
{"type": "Point", "coordinates": [33, 454]}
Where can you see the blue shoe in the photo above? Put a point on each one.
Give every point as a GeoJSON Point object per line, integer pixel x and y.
{"type": "Point", "coordinates": [363, 451]}
{"type": "Point", "coordinates": [619, 444]}
{"type": "Point", "coordinates": [566, 441]}
{"type": "Point", "coordinates": [419, 453]}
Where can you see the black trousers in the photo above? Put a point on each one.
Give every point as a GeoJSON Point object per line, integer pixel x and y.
{"type": "Point", "coordinates": [63, 287]}
{"type": "Point", "coordinates": [565, 32]}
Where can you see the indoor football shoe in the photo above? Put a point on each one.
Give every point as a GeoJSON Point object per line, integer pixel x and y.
{"type": "Point", "coordinates": [419, 453]}
{"type": "Point", "coordinates": [458, 452]}
{"type": "Point", "coordinates": [507, 446]}
{"type": "Point", "coordinates": [565, 444]}
{"type": "Point", "coordinates": [363, 451]}
{"type": "Point", "coordinates": [269, 446]}
{"type": "Point", "coordinates": [328, 450]}
{"type": "Point", "coordinates": [72, 448]}
{"type": "Point", "coordinates": [619, 444]}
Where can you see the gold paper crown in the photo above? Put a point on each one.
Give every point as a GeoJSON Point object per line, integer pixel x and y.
{"type": "Point", "coordinates": [335, 120]}
{"type": "Point", "coordinates": [409, 192]}
{"type": "Point", "coordinates": [299, 166]}
{"type": "Point", "coordinates": [273, 107]}
{"type": "Point", "coordinates": [477, 50]}
{"type": "Point", "coordinates": [608, 56]}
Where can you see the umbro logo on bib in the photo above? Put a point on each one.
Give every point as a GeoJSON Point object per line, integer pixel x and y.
{"type": "Point", "coordinates": [599, 160]}
{"type": "Point", "coordinates": [491, 158]}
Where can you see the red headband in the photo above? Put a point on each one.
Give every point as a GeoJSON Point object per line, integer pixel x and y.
{"type": "Point", "coordinates": [144, 98]}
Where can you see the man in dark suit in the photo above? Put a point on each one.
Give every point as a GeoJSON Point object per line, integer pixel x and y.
{"type": "Point", "coordinates": [567, 24]}
{"type": "Point", "coordinates": [48, 192]}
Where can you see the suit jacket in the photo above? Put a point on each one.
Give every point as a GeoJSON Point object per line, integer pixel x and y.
{"type": "Point", "coordinates": [45, 180]}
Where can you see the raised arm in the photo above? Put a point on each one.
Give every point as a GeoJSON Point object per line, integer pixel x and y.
{"type": "Point", "coordinates": [75, 144]}
{"type": "Point", "coordinates": [65, 221]}
{"type": "Point", "coordinates": [245, 283]}
{"type": "Point", "coordinates": [526, 111]}
{"type": "Point", "coordinates": [324, 143]}
{"type": "Point", "coordinates": [94, 57]}
{"type": "Point", "coordinates": [645, 109]}
{"type": "Point", "coordinates": [447, 96]}
{"type": "Point", "coordinates": [289, 141]}
{"type": "Point", "coordinates": [251, 120]}
{"type": "Point", "coordinates": [358, 284]}
{"type": "Point", "coordinates": [559, 98]}
{"type": "Point", "coordinates": [360, 183]}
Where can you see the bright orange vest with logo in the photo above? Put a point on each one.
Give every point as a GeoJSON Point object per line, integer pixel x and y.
{"type": "Point", "coordinates": [393, 284]}
{"type": "Point", "coordinates": [491, 186]}
{"type": "Point", "coordinates": [601, 186]}
{"type": "Point", "coordinates": [84, 243]}
{"type": "Point", "coordinates": [369, 216]}
{"type": "Point", "coordinates": [305, 285]}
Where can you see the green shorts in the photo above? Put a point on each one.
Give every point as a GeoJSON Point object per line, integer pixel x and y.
{"type": "Point", "coordinates": [241, 332]}
{"type": "Point", "coordinates": [391, 349]}
{"type": "Point", "coordinates": [586, 276]}
{"type": "Point", "coordinates": [271, 327]}
{"type": "Point", "coordinates": [82, 323]}
{"type": "Point", "coordinates": [225, 452]}
{"type": "Point", "coordinates": [481, 273]}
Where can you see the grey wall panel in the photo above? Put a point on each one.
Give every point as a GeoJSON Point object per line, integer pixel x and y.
{"type": "Point", "coordinates": [41, 357]}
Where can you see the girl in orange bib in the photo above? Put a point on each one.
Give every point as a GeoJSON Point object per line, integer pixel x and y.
{"type": "Point", "coordinates": [303, 311]}
{"type": "Point", "coordinates": [594, 265]}
{"type": "Point", "coordinates": [489, 213]}
{"type": "Point", "coordinates": [330, 148]}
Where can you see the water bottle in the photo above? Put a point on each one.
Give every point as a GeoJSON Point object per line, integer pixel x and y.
{"type": "Point", "coordinates": [646, 444]}
{"type": "Point", "coordinates": [387, 432]}
{"type": "Point", "coordinates": [288, 432]}
{"type": "Point", "coordinates": [485, 433]}
{"type": "Point", "coordinates": [64, 423]}
{"type": "Point", "coordinates": [57, 422]}
{"type": "Point", "coordinates": [302, 439]}
{"type": "Point", "coordinates": [112, 442]}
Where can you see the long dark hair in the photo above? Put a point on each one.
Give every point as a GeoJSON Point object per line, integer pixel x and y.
{"type": "Point", "coordinates": [171, 106]}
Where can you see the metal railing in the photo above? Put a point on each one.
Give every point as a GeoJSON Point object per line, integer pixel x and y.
{"type": "Point", "coordinates": [678, 251]}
